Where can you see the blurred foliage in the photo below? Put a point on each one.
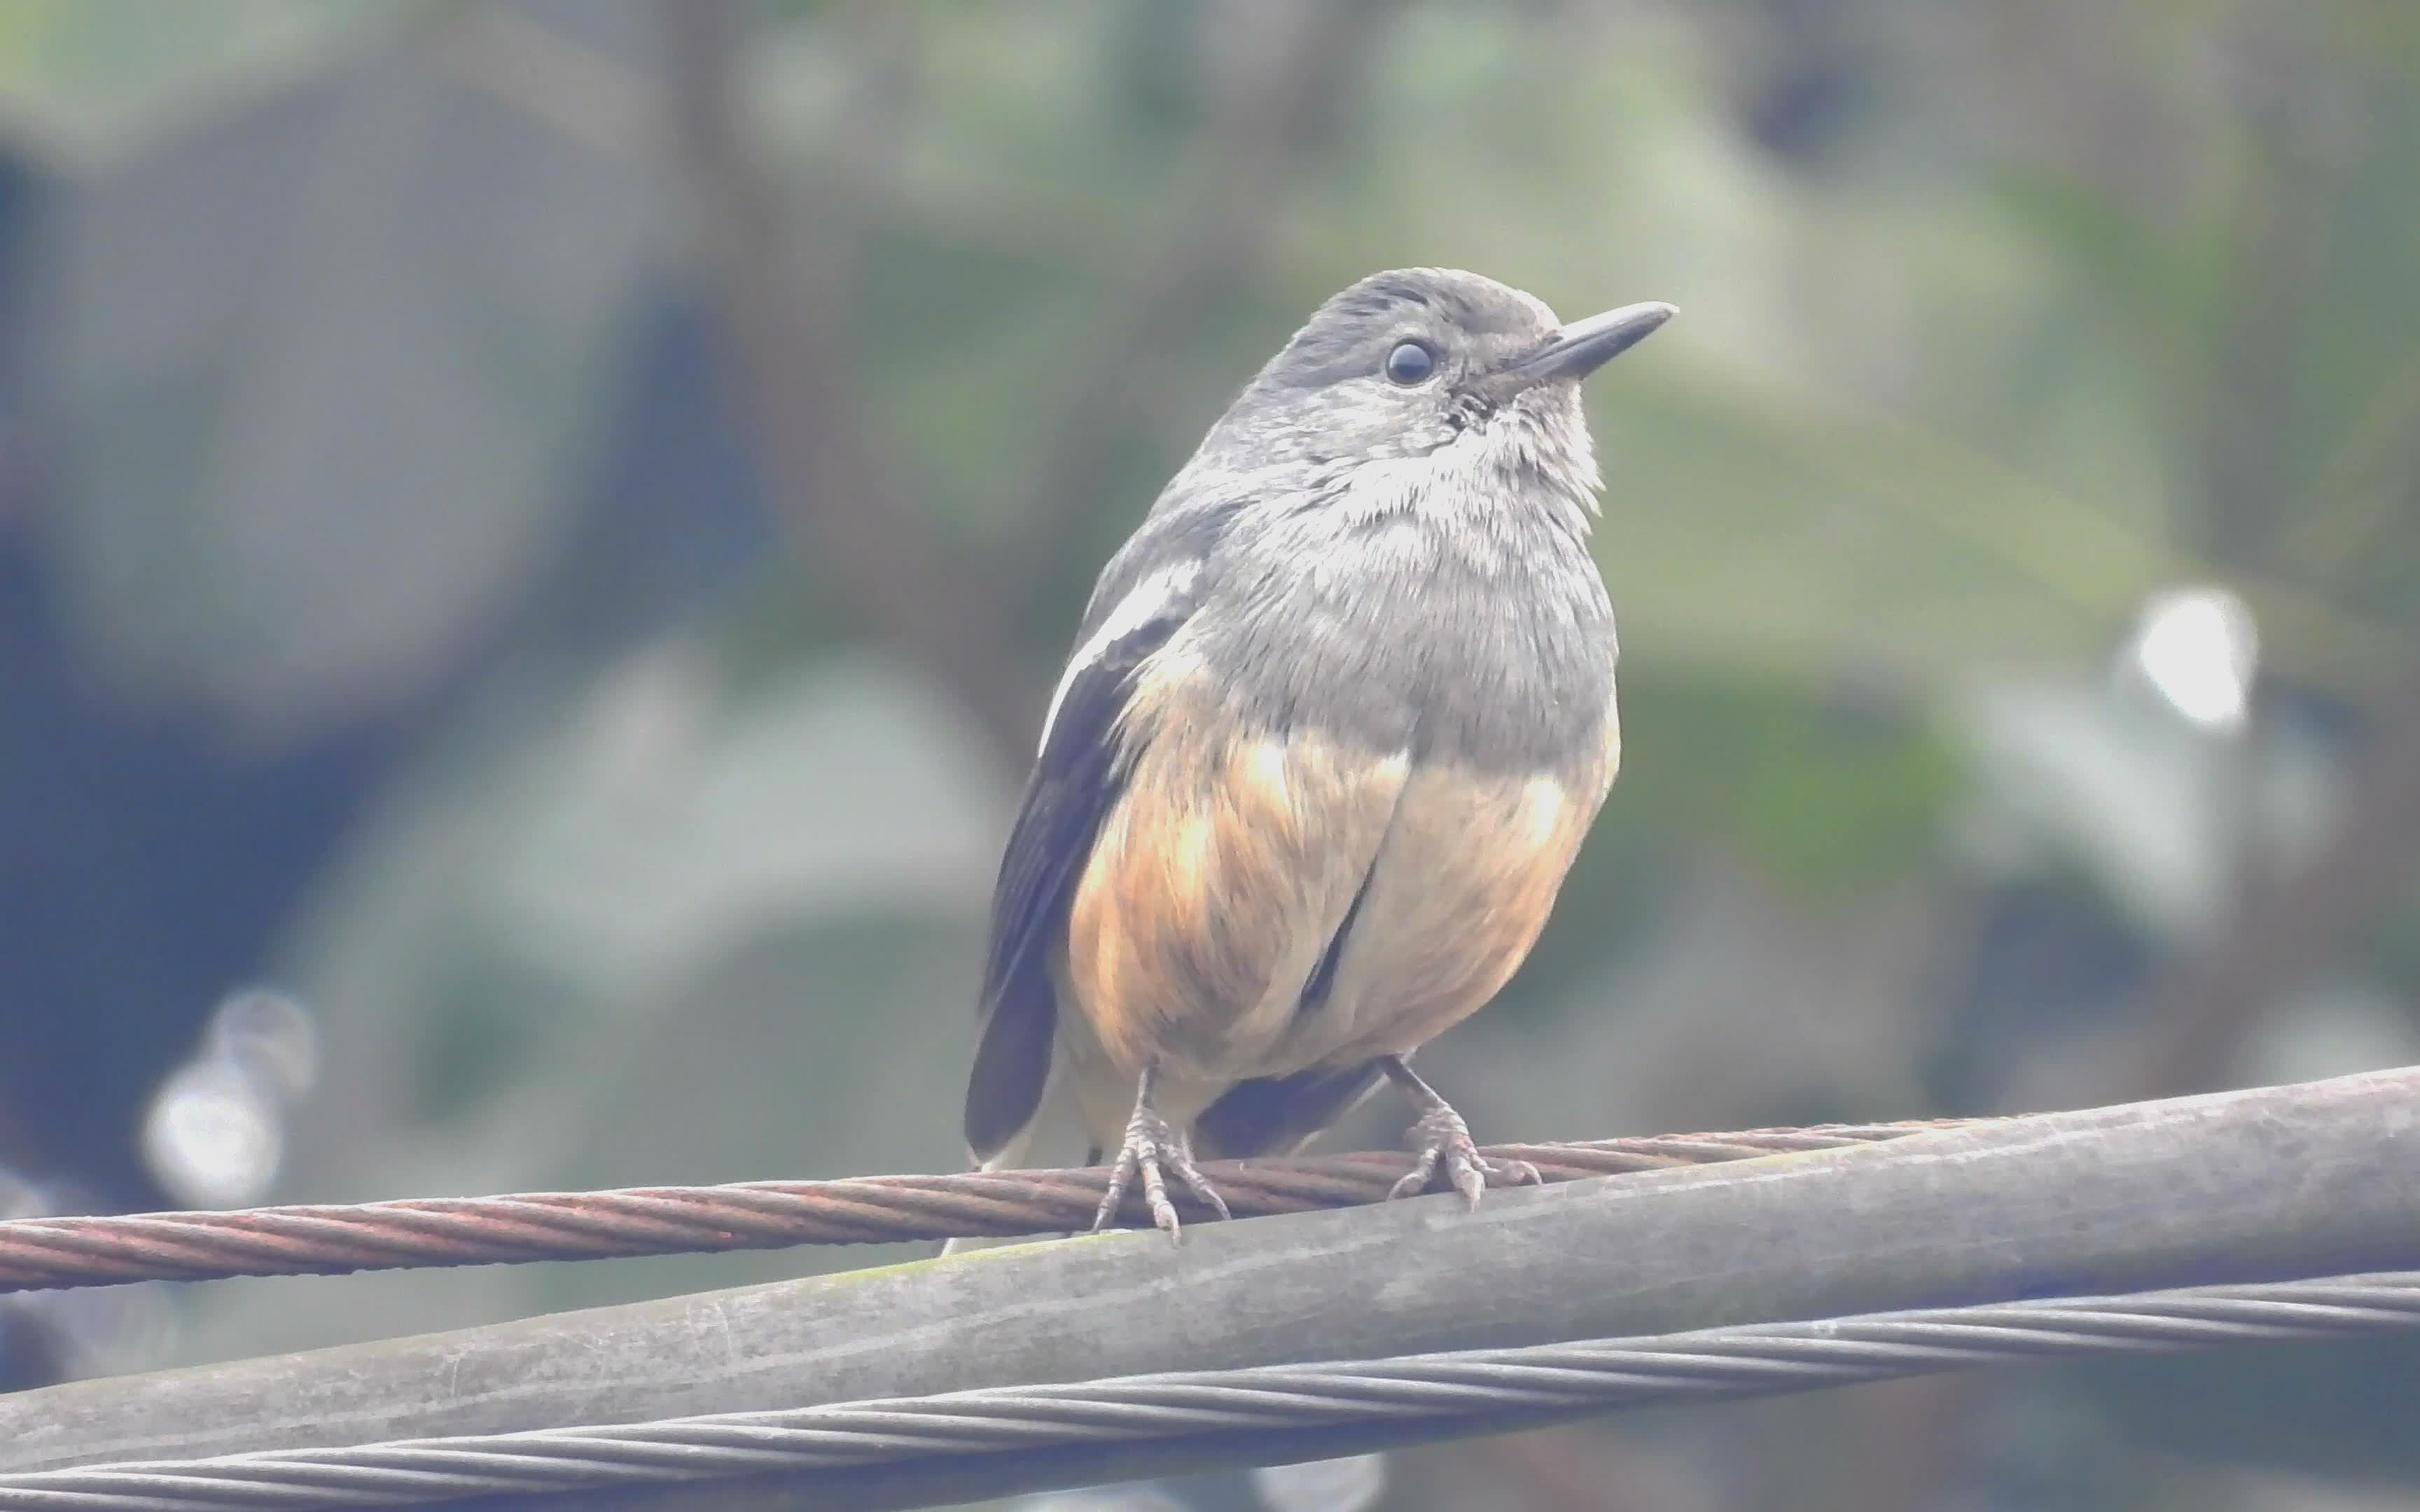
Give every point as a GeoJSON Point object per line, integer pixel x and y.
{"type": "Point", "coordinates": [1785, 775]}
{"type": "Point", "coordinates": [395, 603]}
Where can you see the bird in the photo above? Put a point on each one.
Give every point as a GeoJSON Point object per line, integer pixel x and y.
{"type": "Point", "coordinates": [1337, 718]}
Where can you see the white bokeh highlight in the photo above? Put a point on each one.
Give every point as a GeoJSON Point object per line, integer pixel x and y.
{"type": "Point", "coordinates": [2198, 648]}
{"type": "Point", "coordinates": [214, 1135]}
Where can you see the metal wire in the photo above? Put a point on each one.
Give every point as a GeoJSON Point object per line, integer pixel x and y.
{"type": "Point", "coordinates": [1506, 1387]}
{"type": "Point", "coordinates": [328, 1240]}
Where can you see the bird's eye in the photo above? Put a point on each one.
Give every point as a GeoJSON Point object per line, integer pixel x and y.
{"type": "Point", "coordinates": [1410, 362]}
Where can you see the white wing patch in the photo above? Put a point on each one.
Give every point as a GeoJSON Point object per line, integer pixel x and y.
{"type": "Point", "coordinates": [1137, 610]}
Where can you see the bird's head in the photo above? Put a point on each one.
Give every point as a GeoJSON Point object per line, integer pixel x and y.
{"type": "Point", "coordinates": [1426, 362]}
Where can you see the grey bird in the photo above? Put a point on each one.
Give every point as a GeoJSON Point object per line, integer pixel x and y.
{"type": "Point", "coordinates": [1338, 718]}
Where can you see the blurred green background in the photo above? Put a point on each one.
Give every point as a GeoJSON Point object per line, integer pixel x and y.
{"type": "Point", "coordinates": [534, 534]}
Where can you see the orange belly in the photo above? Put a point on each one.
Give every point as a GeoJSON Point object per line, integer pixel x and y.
{"type": "Point", "coordinates": [1221, 875]}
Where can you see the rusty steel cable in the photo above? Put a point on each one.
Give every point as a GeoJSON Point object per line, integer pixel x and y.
{"type": "Point", "coordinates": [1232, 1411]}
{"type": "Point", "coordinates": [333, 1239]}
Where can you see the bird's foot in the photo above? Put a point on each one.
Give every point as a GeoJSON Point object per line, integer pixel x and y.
{"type": "Point", "coordinates": [1153, 1152]}
{"type": "Point", "coordinates": [1441, 1139]}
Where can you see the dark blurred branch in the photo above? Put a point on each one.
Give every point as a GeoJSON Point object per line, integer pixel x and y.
{"type": "Point", "coordinates": [1279, 96]}
{"type": "Point", "coordinates": [2285, 925]}
{"type": "Point", "coordinates": [2278, 927]}
{"type": "Point", "coordinates": [2282, 926]}
{"type": "Point", "coordinates": [779, 288]}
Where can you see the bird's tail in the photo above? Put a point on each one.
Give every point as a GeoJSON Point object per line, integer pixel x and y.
{"type": "Point", "coordinates": [1017, 1154]}
{"type": "Point", "coordinates": [1007, 1158]}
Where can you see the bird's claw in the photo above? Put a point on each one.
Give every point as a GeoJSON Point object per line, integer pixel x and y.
{"type": "Point", "coordinates": [1441, 1139]}
{"type": "Point", "coordinates": [1152, 1151]}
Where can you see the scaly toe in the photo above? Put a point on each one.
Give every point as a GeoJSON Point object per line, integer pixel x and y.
{"type": "Point", "coordinates": [1469, 1175]}
{"type": "Point", "coordinates": [1154, 1153]}
{"type": "Point", "coordinates": [1154, 1192]}
{"type": "Point", "coordinates": [1121, 1174]}
{"type": "Point", "coordinates": [1443, 1139]}
{"type": "Point", "coordinates": [1182, 1165]}
{"type": "Point", "coordinates": [1417, 1181]}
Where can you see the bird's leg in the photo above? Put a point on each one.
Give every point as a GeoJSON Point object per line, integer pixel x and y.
{"type": "Point", "coordinates": [1152, 1148]}
{"type": "Point", "coordinates": [1441, 1137]}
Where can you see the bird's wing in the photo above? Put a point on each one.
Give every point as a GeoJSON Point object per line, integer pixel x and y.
{"type": "Point", "coordinates": [1277, 1115]}
{"type": "Point", "coordinates": [1146, 595]}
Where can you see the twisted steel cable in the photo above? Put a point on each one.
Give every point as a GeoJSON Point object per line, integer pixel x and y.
{"type": "Point", "coordinates": [1506, 1387]}
{"type": "Point", "coordinates": [326, 1240]}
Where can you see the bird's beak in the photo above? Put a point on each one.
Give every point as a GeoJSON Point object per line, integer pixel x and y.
{"type": "Point", "coordinates": [1584, 345]}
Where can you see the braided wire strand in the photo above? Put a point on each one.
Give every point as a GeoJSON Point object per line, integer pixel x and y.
{"type": "Point", "coordinates": [326, 1240]}
{"type": "Point", "coordinates": [1507, 1385]}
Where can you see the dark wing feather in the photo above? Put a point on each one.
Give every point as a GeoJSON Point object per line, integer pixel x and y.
{"type": "Point", "coordinates": [1075, 782]}
{"type": "Point", "coordinates": [1272, 1115]}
